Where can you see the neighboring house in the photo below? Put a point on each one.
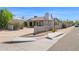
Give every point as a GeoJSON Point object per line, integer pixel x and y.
{"type": "Point", "coordinates": [40, 21]}
{"type": "Point", "coordinates": [15, 24]}
{"type": "Point", "coordinates": [67, 24]}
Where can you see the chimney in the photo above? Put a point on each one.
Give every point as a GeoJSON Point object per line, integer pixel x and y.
{"type": "Point", "coordinates": [35, 16]}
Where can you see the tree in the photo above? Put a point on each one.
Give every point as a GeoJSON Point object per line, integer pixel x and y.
{"type": "Point", "coordinates": [5, 17]}
{"type": "Point", "coordinates": [76, 22]}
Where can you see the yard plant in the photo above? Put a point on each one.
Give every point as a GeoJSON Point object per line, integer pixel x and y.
{"type": "Point", "coordinates": [5, 17]}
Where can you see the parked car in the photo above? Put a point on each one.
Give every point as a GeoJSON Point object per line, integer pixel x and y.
{"type": "Point", "coordinates": [76, 25]}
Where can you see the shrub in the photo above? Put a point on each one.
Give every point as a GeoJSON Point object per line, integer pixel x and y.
{"type": "Point", "coordinates": [53, 30]}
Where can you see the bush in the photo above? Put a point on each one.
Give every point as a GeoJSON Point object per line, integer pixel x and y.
{"type": "Point", "coordinates": [53, 30]}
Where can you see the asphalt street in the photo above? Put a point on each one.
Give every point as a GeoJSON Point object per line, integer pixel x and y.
{"type": "Point", "coordinates": [69, 42]}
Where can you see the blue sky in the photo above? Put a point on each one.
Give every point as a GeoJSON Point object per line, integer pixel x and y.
{"type": "Point", "coordinates": [71, 13]}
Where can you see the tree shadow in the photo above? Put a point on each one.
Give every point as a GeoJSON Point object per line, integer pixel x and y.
{"type": "Point", "coordinates": [48, 38]}
{"type": "Point", "coordinates": [14, 42]}
{"type": "Point", "coordinates": [32, 35]}
{"type": "Point", "coordinates": [59, 35]}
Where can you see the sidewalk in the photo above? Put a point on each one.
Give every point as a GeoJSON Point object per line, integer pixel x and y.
{"type": "Point", "coordinates": [66, 30]}
{"type": "Point", "coordinates": [41, 44]}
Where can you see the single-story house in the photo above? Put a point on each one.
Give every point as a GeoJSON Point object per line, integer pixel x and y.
{"type": "Point", "coordinates": [15, 24]}
{"type": "Point", "coordinates": [40, 21]}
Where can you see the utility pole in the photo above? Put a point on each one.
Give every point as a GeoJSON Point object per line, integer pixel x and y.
{"type": "Point", "coordinates": [53, 22]}
{"type": "Point", "coordinates": [54, 25]}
